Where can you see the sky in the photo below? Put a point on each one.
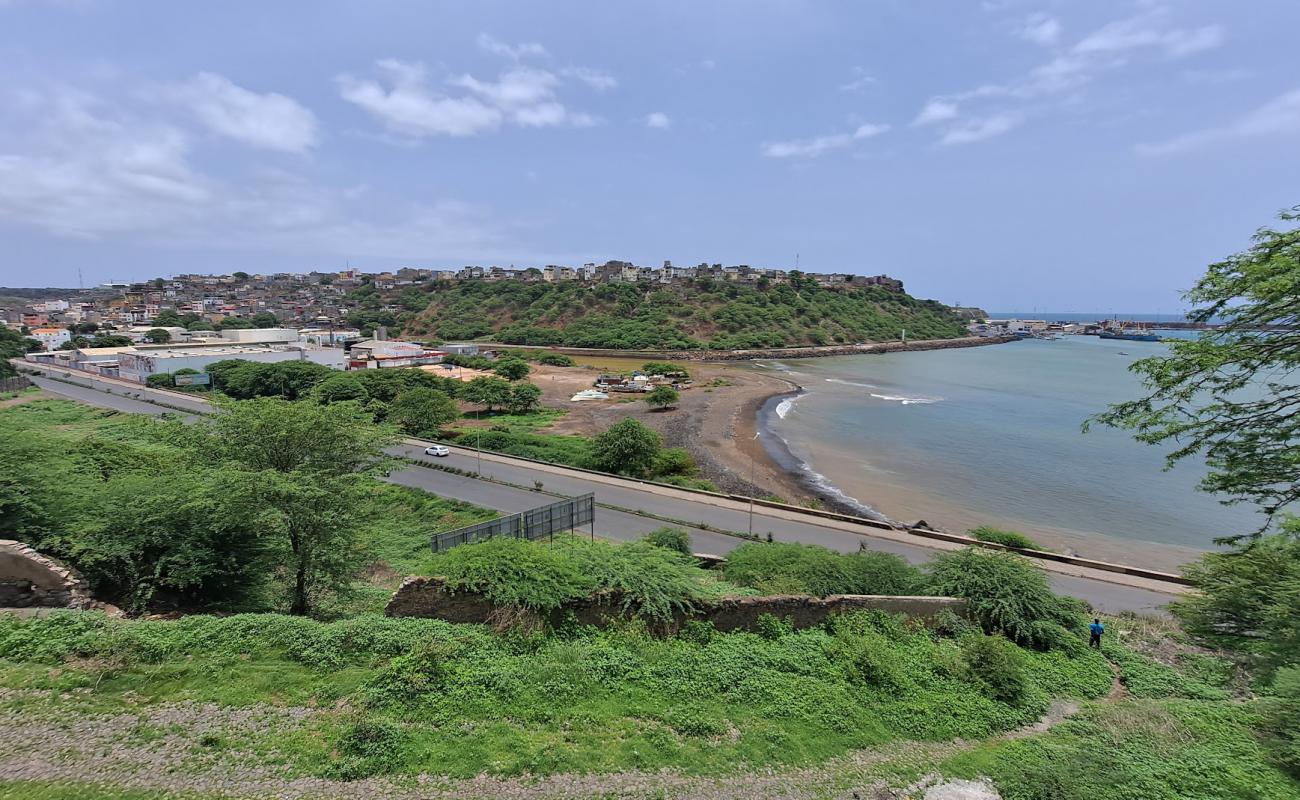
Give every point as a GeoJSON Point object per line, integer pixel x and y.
{"type": "Point", "coordinates": [1071, 156]}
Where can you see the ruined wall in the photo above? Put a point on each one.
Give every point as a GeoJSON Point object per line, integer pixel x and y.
{"type": "Point", "coordinates": [426, 597]}
{"type": "Point", "coordinates": [31, 580]}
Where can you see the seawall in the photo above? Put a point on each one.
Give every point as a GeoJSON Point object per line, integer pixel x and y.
{"type": "Point", "coordinates": [776, 352]}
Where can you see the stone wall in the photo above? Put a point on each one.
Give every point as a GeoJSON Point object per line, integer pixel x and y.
{"type": "Point", "coordinates": [785, 352]}
{"type": "Point", "coordinates": [427, 597]}
{"type": "Point", "coordinates": [31, 580]}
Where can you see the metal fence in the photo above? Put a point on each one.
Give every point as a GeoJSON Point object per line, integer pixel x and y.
{"type": "Point", "coordinates": [538, 523]}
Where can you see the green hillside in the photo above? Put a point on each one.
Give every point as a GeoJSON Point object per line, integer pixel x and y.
{"type": "Point", "coordinates": [695, 314]}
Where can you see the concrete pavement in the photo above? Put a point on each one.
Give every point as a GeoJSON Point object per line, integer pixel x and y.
{"type": "Point", "coordinates": [1106, 591]}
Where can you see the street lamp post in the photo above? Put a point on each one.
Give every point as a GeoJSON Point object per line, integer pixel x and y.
{"type": "Point", "coordinates": [478, 442]}
{"type": "Point", "coordinates": [752, 489]}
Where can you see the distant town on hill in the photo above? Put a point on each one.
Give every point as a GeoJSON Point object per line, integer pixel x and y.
{"type": "Point", "coordinates": [616, 304]}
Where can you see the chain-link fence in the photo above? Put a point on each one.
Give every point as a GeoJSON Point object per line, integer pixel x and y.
{"type": "Point", "coordinates": [538, 523]}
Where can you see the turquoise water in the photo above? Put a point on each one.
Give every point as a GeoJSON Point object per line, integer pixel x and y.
{"type": "Point", "coordinates": [992, 434]}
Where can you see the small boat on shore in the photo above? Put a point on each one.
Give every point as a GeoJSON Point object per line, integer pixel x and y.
{"type": "Point", "coordinates": [589, 394]}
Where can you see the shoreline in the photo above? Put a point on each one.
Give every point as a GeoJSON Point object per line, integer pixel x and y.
{"type": "Point", "coordinates": [929, 514]}
{"type": "Point", "coordinates": [777, 353]}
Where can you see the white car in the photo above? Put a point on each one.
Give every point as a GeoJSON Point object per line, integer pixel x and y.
{"type": "Point", "coordinates": [437, 450]}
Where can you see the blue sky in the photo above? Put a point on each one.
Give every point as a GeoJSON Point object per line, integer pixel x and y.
{"type": "Point", "coordinates": [1063, 155]}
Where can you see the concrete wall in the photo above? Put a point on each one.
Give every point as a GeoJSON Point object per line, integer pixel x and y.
{"type": "Point", "coordinates": [31, 580]}
{"type": "Point", "coordinates": [427, 597]}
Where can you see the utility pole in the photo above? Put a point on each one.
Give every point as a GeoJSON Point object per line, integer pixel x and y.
{"type": "Point", "coordinates": [752, 490]}
{"type": "Point", "coordinates": [478, 441]}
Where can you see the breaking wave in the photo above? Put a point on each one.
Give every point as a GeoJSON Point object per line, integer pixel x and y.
{"type": "Point", "coordinates": [907, 401]}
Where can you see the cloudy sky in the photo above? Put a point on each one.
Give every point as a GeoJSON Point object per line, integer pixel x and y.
{"type": "Point", "coordinates": [1014, 154]}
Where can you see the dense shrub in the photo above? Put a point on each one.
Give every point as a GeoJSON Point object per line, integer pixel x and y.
{"type": "Point", "coordinates": [555, 360]}
{"type": "Point", "coordinates": [676, 539]}
{"type": "Point", "coordinates": [996, 666]}
{"type": "Point", "coordinates": [1006, 593]}
{"type": "Point", "coordinates": [514, 572]}
{"type": "Point", "coordinates": [785, 568]}
{"type": "Point", "coordinates": [986, 533]}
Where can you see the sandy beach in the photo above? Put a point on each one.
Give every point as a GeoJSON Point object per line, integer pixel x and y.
{"type": "Point", "coordinates": [718, 419]}
{"type": "Point", "coordinates": [715, 421]}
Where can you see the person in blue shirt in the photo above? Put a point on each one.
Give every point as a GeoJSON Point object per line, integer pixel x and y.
{"type": "Point", "coordinates": [1095, 630]}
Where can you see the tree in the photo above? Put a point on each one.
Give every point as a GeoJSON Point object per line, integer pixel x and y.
{"type": "Point", "coordinates": [161, 380]}
{"type": "Point", "coordinates": [306, 462]}
{"type": "Point", "coordinates": [1248, 599]}
{"type": "Point", "coordinates": [157, 336]}
{"type": "Point", "coordinates": [240, 275]}
{"type": "Point", "coordinates": [271, 433]}
{"type": "Point", "coordinates": [168, 318]}
{"type": "Point", "coordinates": [627, 448]}
{"type": "Point", "coordinates": [422, 411]}
{"type": "Point", "coordinates": [525, 398]}
{"type": "Point", "coordinates": [75, 343]}
{"type": "Point", "coordinates": [512, 369]}
{"type": "Point", "coordinates": [83, 327]}
{"type": "Point", "coordinates": [199, 325]}
{"type": "Point", "coordinates": [109, 340]}
{"type": "Point", "coordinates": [234, 323]}
{"type": "Point", "coordinates": [662, 396]}
{"type": "Point", "coordinates": [487, 391]}
{"type": "Point", "coordinates": [340, 387]}
{"type": "Point", "coordinates": [662, 368]}
{"type": "Point", "coordinates": [265, 319]}
{"type": "Point", "coordinates": [1233, 393]}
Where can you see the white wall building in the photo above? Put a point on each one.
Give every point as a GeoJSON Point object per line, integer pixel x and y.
{"type": "Point", "coordinates": [51, 338]}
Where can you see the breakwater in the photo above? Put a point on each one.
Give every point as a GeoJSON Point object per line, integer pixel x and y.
{"type": "Point", "coordinates": [779, 352]}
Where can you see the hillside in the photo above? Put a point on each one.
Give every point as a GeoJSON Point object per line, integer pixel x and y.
{"type": "Point", "coordinates": [701, 313]}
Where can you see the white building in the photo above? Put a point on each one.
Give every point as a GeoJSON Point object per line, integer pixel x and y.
{"type": "Point", "coordinates": [381, 354]}
{"type": "Point", "coordinates": [138, 363]}
{"type": "Point", "coordinates": [51, 338]}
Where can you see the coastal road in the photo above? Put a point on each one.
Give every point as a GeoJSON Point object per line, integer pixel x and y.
{"type": "Point", "coordinates": [628, 510]}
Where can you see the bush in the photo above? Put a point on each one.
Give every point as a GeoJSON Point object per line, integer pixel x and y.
{"type": "Point", "coordinates": [556, 360]}
{"type": "Point", "coordinates": [786, 568]}
{"type": "Point", "coordinates": [1006, 593]}
{"type": "Point", "coordinates": [514, 572]}
{"type": "Point", "coordinates": [996, 666]}
{"type": "Point", "coordinates": [1280, 720]}
{"type": "Point", "coordinates": [626, 448]}
{"type": "Point", "coordinates": [368, 747]}
{"type": "Point", "coordinates": [670, 538]}
{"type": "Point", "coordinates": [1009, 538]}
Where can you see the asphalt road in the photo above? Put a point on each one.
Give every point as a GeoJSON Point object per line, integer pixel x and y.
{"type": "Point", "coordinates": [622, 525]}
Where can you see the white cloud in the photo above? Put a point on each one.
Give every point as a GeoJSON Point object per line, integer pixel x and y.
{"type": "Point", "coordinates": [937, 110]}
{"type": "Point", "coordinates": [861, 80]}
{"type": "Point", "coordinates": [271, 121]}
{"type": "Point", "coordinates": [596, 79]}
{"type": "Point", "coordinates": [77, 166]}
{"type": "Point", "coordinates": [1041, 29]}
{"type": "Point", "coordinates": [1144, 32]}
{"type": "Point", "coordinates": [517, 52]}
{"type": "Point", "coordinates": [410, 108]}
{"type": "Point", "coordinates": [1279, 116]}
{"type": "Point", "coordinates": [820, 145]}
{"type": "Point", "coordinates": [980, 129]}
{"type": "Point", "coordinates": [522, 96]}
{"type": "Point", "coordinates": [658, 119]}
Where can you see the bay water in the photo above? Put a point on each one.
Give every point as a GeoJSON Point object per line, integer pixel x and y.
{"type": "Point", "coordinates": [991, 435]}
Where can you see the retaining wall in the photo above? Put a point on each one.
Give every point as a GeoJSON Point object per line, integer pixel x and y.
{"type": "Point", "coordinates": [31, 580]}
{"type": "Point", "coordinates": [429, 598]}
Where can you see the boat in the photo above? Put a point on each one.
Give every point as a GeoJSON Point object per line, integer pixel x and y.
{"type": "Point", "coordinates": [589, 394]}
{"type": "Point", "coordinates": [1127, 335]}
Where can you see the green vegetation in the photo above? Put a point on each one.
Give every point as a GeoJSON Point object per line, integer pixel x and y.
{"type": "Point", "coordinates": [1195, 398]}
{"type": "Point", "coordinates": [267, 505]}
{"type": "Point", "coordinates": [702, 313]}
{"type": "Point", "coordinates": [662, 397]}
{"type": "Point", "coordinates": [512, 369]}
{"type": "Point", "coordinates": [785, 568]}
{"type": "Point", "coordinates": [986, 533]}
{"type": "Point", "coordinates": [1007, 595]}
{"type": "Point", "coordinates": [676, 539]}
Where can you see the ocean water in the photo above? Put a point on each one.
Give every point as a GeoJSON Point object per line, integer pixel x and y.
{"type": "Point", "coordinates": [992, 435]}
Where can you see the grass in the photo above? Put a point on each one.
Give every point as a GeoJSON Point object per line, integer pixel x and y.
{"type": "Point", "coordinates": [514, 423]}
{"type": "Point", "coordinates": [465, 701]}
{"type": "Point", "coordinates": [985, 533]}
